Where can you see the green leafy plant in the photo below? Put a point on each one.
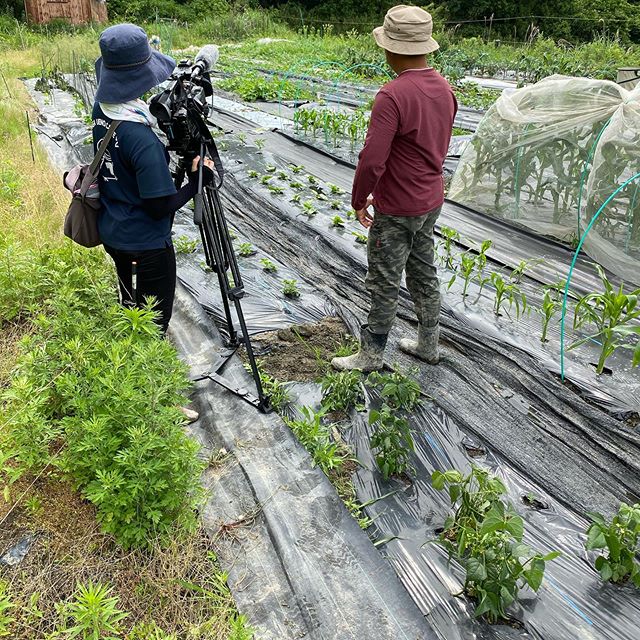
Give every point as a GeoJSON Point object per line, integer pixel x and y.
{"type": "Point", "coordinates": [391, 441]}
{"type": "Point", "coordinates": [312, 179]}
{"type": "Point", "coordinates": [335, 189]}
{"type": "Point", "coordinates": [296, 168]}
{"type": "Point", "coordinates": [184, 245]}
{"type": "Point", "coordinates": [6, 604]}
{"type": "Point", "coordinates": [348, 347]}
{"type": "Point", "coordinates": [620, 539]}
{"type": "Point", "coordinates": [613, 313]}
{"type": "Point", "coordinates": [296, 198]}
{"type": "Point", "coordinates": [342, 390]}
{"type": "Point", "coordinates": [315, 437]}
{"type": "Point", "coordinates": [270, 168]}
{"type": "Point", "coordinates": [507, 292]}
{"type": "Point", "coordinates": [276, 190]}
{"type": "Point", "coordinates": [309, 209]}
{"type": "Point", "coordinates": [361, 238]}
{"type": "Point", "coordinates": [92, 614]}
{"type": "Point", "coordinates": [522, 268]}
{"type": "Point", "coordinates": [485, 535]}
{"type": "Point", "coordinates": [275, 390]}
{"type": "Point", "coordinates": [268, 265]}
{"type": "Point", "coordinates": [246, 249]}
{"type": "Point", "coordinates": [253, 174]}
{"type": "Point", "coordinates": [449, 238]}
{"type": "Point", "coordinates": [266, 179]}
{"type": "Point", "coordinates": [294, 184]}
{"type": "Point", "coordinates": [282, 175]}
{"type": "Point", "coordinates": [259, 142]}
{"type": "Point", "coordinates": [396, 389]}
{"type": "Point", "coordinates": [336, 205]}
{"type": "Point", "coordinates": [547, 311]}
{"type": "Point", "coordinates": [337, 221]}
{"type": "Point", "coordinates": [320, 196]}
{"type": "Point", "coordinates": [290, 288]}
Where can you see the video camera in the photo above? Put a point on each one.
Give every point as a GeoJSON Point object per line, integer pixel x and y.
{"type": "Point", "coordinates": [182, 108]}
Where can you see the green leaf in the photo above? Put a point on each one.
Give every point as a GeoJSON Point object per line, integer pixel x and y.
{"type": "Point", "coordinates": [476, 571]}
{"type": "Point", "coordinates": [595, 537]}
{"type": "Point", "coordinates": [535, 574]}
{"type": "Point", "coordinates": [606, 571]}
{"type": "Point", "coordinates": [552, 556]}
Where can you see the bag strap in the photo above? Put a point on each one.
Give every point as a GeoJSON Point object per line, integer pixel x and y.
{"type": "Point", "coordinates": [93, 167]}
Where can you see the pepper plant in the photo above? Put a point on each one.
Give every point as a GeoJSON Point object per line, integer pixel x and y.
{"type": "Point", "coordinates": [290, 289]}
{"type": "Point", "coordinates": [620, 540]}
{"type": "Point", "coordinates": [391, 441]}
{"type": "Point", "coordinates": [397, 390]}
{"type": "Point", "coordinates": [485, 535]}
{"type": "Point", "coordinates": [268, 265]}
{"type": "Point", "coordinates": [508, 292]}
{"type": "Point", "coordinates": [613, 313]}
{"type": "Point", "coordinates": [246, 249]}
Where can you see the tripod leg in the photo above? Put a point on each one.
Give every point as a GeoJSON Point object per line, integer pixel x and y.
{"type": "Point", "coordinates": [215, 259]}
{"type": "Point", "coordinates": [222, 240]}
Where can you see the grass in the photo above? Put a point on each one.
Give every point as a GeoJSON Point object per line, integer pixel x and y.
{"type": "Point", "coordinates": [179, 587]}
{"type": "Point", "coordinates": [176, 589]}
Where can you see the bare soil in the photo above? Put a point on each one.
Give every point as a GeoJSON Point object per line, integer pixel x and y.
{"type": "Point", "coordinates": [300, 353]}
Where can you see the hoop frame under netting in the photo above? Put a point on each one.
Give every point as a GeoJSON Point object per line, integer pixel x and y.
{"type": "Point", "coordinates": [542, 158]}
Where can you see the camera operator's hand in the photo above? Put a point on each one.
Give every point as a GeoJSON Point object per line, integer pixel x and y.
{"type": "Point", "coordinates": [207, 170]}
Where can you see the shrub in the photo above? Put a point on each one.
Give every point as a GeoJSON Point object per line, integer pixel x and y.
{"type": "Point", "coordinates": [96, 383]}
{"type": "Point", "coordinates": [391, 441]}
{"type": "Point", "coordinates": [342, 390]}
{"type": "Point", "coordinates": [396, 389]}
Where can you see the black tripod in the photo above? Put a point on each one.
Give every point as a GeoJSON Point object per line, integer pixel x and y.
{"type": "Point", "coordinates": [221, 258]}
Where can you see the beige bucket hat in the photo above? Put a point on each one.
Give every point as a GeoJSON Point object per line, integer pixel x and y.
{"type": "Point", "coordinates": [407, 31]}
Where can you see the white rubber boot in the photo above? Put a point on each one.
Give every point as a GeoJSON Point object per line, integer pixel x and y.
{"type": "Point", "coordinates": [426, 347]}
{"type": "Point", "coordinates": [369, 358]}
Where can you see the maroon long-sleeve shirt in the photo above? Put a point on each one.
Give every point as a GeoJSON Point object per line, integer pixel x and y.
{"type": "Point", "coordinates": [406, 145]}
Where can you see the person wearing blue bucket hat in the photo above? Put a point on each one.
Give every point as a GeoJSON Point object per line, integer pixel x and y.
{"type": "Point", "coordinates": [137, 192]}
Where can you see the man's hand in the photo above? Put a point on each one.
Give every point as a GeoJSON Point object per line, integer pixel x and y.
{"type": "Point", "coordinates": [363, 215]}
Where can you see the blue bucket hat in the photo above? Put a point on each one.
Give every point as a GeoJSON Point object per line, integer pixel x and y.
{"type": "Point", "coordinates": [129, 67]}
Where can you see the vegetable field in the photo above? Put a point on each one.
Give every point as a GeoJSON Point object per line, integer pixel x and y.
{"type": "Point", "coordinates": [493, 496]}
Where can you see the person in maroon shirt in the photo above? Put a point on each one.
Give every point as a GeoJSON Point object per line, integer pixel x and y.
{"type": "Point", "coordinates": [400, 175]}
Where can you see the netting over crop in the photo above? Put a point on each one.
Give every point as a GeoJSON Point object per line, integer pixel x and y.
{"type": "Point", "coordinates": [548, 156]}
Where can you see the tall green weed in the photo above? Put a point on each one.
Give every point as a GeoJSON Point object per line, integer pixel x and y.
{"type": "Point", "coordinates": [97, 383]}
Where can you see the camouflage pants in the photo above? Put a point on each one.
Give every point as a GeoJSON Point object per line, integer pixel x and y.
{"type": "Point", "coordinates": [396, 244]}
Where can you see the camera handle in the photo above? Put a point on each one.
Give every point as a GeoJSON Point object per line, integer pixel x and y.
{"type": "Point", "coordinates": [221, 258]}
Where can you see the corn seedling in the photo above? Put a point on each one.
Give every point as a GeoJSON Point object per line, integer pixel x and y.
{"type": "Point", "coordinates": [296, 168]}
{"type": "Point", "coordinates": [242, 137]}
{"type": "Point", "coordinates": [270, 168]}
{"type": "Point", "coordinates": [337, 221]}
{"type": "Point", "coordinates": [268, 266]}
{"type": "Point", "coordinates": [266, 179]}
{"type": "Point", "coordinates": [449, 238]}
{"type": "Point", "coordinates": [547, 311]}
{"type": "Point", "coordinates": [620, 540]}
{"type": "Point", "coordinates": [246, 249]}
{"type": "Point", "coordinates": [523, 266]}
{"type": "Point", "coordinates": [312, 179]}
{"type": "Point", "coordinates": [342, 391]}
{"type": "Point", "coordinates": [321, 196]}
{"type": "Point", "coordinates": [336, 205]}
{"type": "Point", "coordinates": [254, 174]}
{"type": "Point", "coordinates": [290, 289]}
{"type": "Point", "coordinates": [335, 189]}
{"type": "Point", "coordinates": [507, 292]}
{"type": "Point", "coordinates": [612, 313]}
{"type": "Point", "coordinates": [361, 238]}
{"type": "Point", "coordinates": [485, 535]}
{"type": "Point", "coordinates": [296, 198]}
{"type": "Point", "coordinates": [282, 175]}
{"type": "Point", "coordinates": [396, 389]}
{"type": "Point", "coordinates": [391, 442]}
{"type": "Point", "coordinates": [259, 142]}
{"type": "Point", "coordinates": [315, 437]}
{"type": "Point", "coordinates": [294, 184]}
{"type": "Point", "coordinates": [184, 245]}
{"type": "Point", "coordinates": [350, 346]}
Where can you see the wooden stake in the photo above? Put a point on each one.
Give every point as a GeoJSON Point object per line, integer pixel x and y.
{"type": "Point", "coordinates": [33, 155]}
